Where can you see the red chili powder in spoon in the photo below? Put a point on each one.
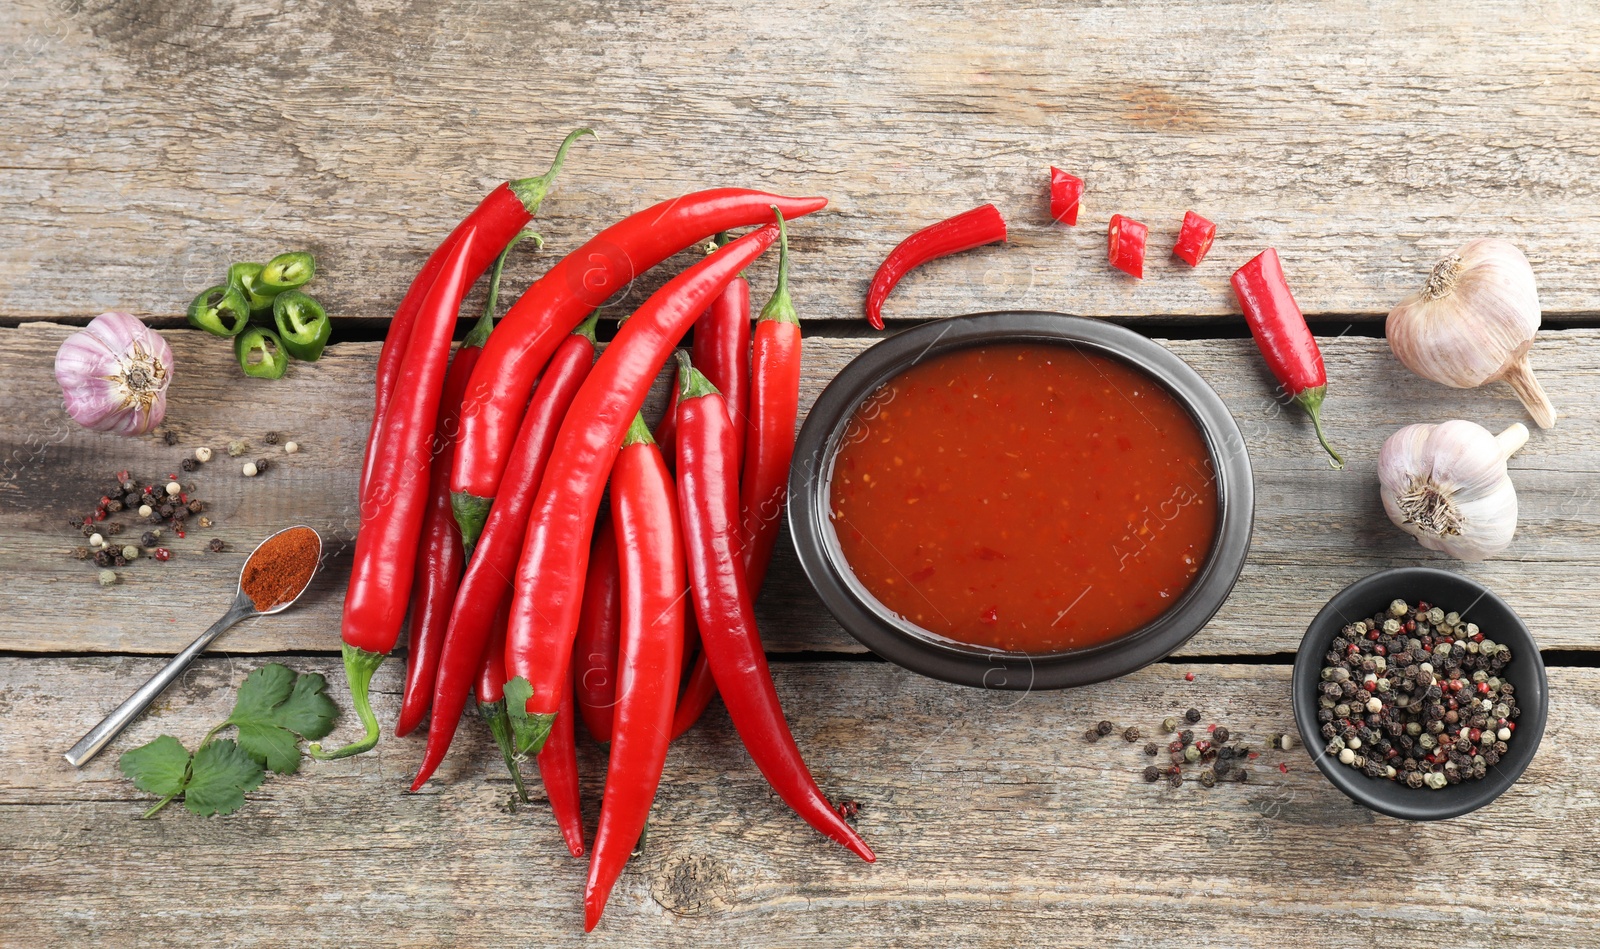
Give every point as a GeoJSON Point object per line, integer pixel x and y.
{"type": "Point", "coordinates": [281, 567]}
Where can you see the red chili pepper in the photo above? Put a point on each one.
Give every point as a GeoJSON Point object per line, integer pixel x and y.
{"type": "Point", "coordinates": [544, 612]}
{"type": "Point", "coordinates": [982, 225]}
{"type": "Point", "coordinates": [491, 689]}
{"type": "Point", "coordinates": [580, 282]}
{"type": "Point", "coordinates": [709, 506]}
{"type": "Point", "coordinates": [1194, 239]}
{"type": "Point", "coordinates": [1125, 240]}
{"type": "Point", "coordinates": [721, 348]}
{"type": "Point", "coordinates": [1283, 337]}
{"type": "Point", "coordinates": [768, 449]}
{"type": "Point", "coordinates": [558, 769]}
{"type": "Point", "coordinates": [1066, 196]}
{"type": "Point", "coordinates": [393, 509]}
{"type": "Point", "coordinates": [486, 586]}
{"type": "Point", "coordinates": [650, 544]}
{"type": "Point", "coordinates": [594, 651]}
{"type": "Point", "coordinates": [499, 217]}
{"type": "Point", "coordinates": [442, 556]}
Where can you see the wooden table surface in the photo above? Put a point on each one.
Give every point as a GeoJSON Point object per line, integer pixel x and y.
{"type": "Point", "coordinates": [148, 144]}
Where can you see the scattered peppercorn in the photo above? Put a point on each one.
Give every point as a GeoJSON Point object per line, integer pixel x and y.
{"type": "Point", "coordinates": [81, 553]}
{"type": "Point", "coordinates": [1130, 734]}
{"type": "Point", "coordinates": [262, 465]}
{"type": "Point", "coordinates": [1152, 749]}
{"type": "Point", "coordinates": [188, 464]}
{"type": "Point", "coordinates": [271, 438]}
{"type": "Point", "coordinates": [161, 553]}
{"type": "Point", "coordinates": [1152, 774]}
{"type": "Point", "coordinates": [235, 449]}
{"type": "Point", "coordinates": [202, 454]}
{"type": "Point", "coordinates": [249, 470]}
{"type": "Point", "coordinates": [1219, 735]}
{"type": "Point", "coordinates": [169, 437]}
{"type": "Point", "coordinates": [1091, 735]}
{"type": "Point", "coordinates": [114, 528]}
{"type": "Point", "coordinates": [1192, 716]}
{"type": "Point", "coordinates": [1169, 724]}
{"type": "Point", "coordinates": [290, 448]}
{"type": "Point", "coordinates": [107, 577]}
{"type": "Point", "coordinates": [1175, 780]}
{"type": "Point", "coordinates": [217, 544]}
{"type": "Point", "coordinates": [1104, 728]}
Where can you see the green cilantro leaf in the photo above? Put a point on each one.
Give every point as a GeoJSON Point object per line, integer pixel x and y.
{"type": "Point", "coordinates": [219, 778]}
{"type": "Point", "coordinates": [274, 707]}
{"type": "Point", "coordinates": [158, 767]}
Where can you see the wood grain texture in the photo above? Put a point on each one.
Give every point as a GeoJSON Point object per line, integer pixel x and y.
{"type": "Point", "coordinates": [990, 814]}
{"type": "Point", "coordinates": [1315, 531]}
{"type": "Point", "coordinates": [150, 144]}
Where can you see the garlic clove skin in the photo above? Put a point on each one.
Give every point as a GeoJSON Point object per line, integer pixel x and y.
{"type": "Point", "coordinates": [114, 375]}
{"type": "Point", "coordinates": [1473, 322]}
{"type": "Point", "coordinates": [1447, 486]}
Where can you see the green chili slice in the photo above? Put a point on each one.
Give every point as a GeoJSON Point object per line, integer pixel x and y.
{"type": "Point", "coordinates": [287, 271]}
{"type": "Point", "coordinates": [221, 311]}
{"type": "Point", "coordinates": [247, 277]}
{"type": "Point", "coordinates": [302, 323]}
{"type": "Point", "coordinates": [260, 353]}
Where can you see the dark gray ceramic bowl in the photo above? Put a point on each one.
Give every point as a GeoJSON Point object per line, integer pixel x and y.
{"type": "Point", "coordinates": [899, 641]}
{"type": "Point", "coordinates": [1452, 592]}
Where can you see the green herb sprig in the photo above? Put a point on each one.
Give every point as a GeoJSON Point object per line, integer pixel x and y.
{"type": "Point", "coordinates": [275, 709]}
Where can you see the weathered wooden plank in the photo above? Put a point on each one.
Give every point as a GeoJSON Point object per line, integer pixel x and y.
{"type": "Point", "coordinates": [1316, 529]}
{"type": "Point", "coordinates": [988, 811]}
{"type": "Point", "coordinates": [148, 145]}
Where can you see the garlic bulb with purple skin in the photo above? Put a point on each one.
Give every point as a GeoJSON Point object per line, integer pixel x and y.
{"type": "Point", "coordinates": [114, 375]}
{"type": "Point", "coordinates": [1447, 486]}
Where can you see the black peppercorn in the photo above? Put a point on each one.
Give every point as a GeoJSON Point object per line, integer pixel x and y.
{"type": "Point", "coordinates": [117, 560]}
{"type": "Point", "coordinates": [113, 506]}
{"type": "Point", "coordinates": [169, 437]}
{"type": "Point", "coordinates": [113, 528]}
{"type": "Point", "coordinates": [1186, 736]}
{"type": "Point", "coordinates": [1152, 774]}
{"type": "Point", "coordinates": [82, 553]}
{"type": "Point", "coordinates": [1104, 728]}
{"type": "Point", "coordinates": [217, 545]}
{"type": "Point", "coordinates": [1175, 781]}
{"type": "Point", "coordinates": [1220, 736]}
{"type": "Point", "coordinates": [1242, 775]}
{"type": "Point", "coordinates": [261, 466]}
{"type": "Point", "coordinates": [195, 507]}
{"type": "Point", "coordinates": [1130, 734]}
{"type": "Point", "coordinates": [1091, 735]}
{"type": "Point", "coordinates": [1192, 716]}
{"type": "Point", "coordinates": [188, 464]}
{"type": "Point", "coordinates": [271, 438]}
{"type": "Point", "coordinates": [1152, 749]}
{"type": "Point", "coordinates": [1208, 779]}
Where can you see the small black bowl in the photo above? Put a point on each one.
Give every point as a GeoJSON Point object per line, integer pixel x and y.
{"type": "Point", "coordinates": [1453, 593]}
{"type": "Point", "coordinates": [894, 638]}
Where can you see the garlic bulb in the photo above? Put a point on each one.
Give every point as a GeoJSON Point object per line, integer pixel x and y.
{"type": "Point", "coordinates": [114, 375]}
{"type": "Point", "coordinates": [1473, 322]}
{"type": "Point", "coordinates": [1447, 486]}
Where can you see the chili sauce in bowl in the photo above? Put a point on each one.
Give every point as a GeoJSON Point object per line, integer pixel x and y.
{"type": "Point", "coordinates": [1025, 496]}
{"type": "Point", "coordinates": [1021, 500]}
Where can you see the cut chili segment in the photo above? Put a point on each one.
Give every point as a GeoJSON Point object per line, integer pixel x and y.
{"type": "Point", "coordinates": [220, 311]}
{"type": "Point", "coordinates": [969, 229]}
{"type": "Point", "coordinates": [1194, 239]}
{"type": "Point", "coordinates": [1066, 196]}
{"type": "Point", "coordinates": [1125, 240]}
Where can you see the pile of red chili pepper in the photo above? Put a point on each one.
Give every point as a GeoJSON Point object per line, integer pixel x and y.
{"type": "Point", "coordinates": [481, 499]}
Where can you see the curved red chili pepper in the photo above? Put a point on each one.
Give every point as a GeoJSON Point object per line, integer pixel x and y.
{"type": "Point", "coordinates": [969, 229]}
{"type": "Point", "coordinates": [558, 769]}
{"type": "Point", "coordinates": [491, 689]}
{"type": "Point", "coordinates": [442, 556]}
{"type": "Point", "coordinates": [708, 505]}
{"type": "Point", "coordinates": [497, 218]}
{"type": "Point", "coordinates": [1283, 337]}
{"type": "Point", "coordinates": [391, 517]}
{"type": "Point", "coordinates": [555, 554]}
{"type": "Point", "coordinates": [650, 543]}
{"type": "Point", "coordinates": [486, 585]}
{"type": "Point", "coordinates": [580, 282]}
{"type": "Point", "coordinates": [594, 650]}
{"type": "Point", "coordinates": [768, 448]}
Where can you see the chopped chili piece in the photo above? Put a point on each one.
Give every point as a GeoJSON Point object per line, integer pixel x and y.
{"type": "Point", "coordinates": [260, 353]}
{"type": "Point", "coordinates": [302, 323]}
{"type": "Point", "coordinates": [1125, 240]}
{"type": "Point", "coordinates": [1066, 196]}
{"type": "Point", "coordinates": [1194, 239]}
{"type": "Point", "coordinates": [220, 311]}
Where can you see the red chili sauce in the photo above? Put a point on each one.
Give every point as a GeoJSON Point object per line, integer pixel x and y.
{"type": "Point", "coordinates": [1031, 497]}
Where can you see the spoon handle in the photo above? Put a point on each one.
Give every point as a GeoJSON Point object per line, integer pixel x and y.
{"type": "Point", "coordinates": [99, 736]}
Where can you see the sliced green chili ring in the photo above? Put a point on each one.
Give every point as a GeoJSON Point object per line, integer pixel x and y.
{"type": "Point", "coordinates": [302, 323]}
{"type": "Point", "coordinates": [260, 353]}
{"type": "Point", "coordinates": [287, 271]}
{"type": "Point", "coordinates": [247, 277]}
{"type": "Point", "coordinates": [221, 311]}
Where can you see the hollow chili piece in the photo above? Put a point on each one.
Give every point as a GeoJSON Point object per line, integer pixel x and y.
{"type": "Point", "coordinates": [1284, 338]}
{"type": "Point", "coordinates": [303, 325]}
{"type": "Point", "coordinates": [650, 544]}
{"type": "Point", "coordinates": [709, 508]}
{"type": "Point", "coordinates": [721, 347]}
{"type": "Point", "coordinates": [1066, 196]}
{"type": "Point", "coordinates": [768, 449]}
{"type": "Point", "coordinates": [500, 216]}
{"type": "Point", "coordinates": [486, 586]}
{"type": "Point", "coordinates": [1194, 239]}
{"type": "Point", "coordinates": [594, 650]}
{"type": "Point", "coordinates": [442, 557]}
{"type": "Point", "coordinates": [580, 282]}
{"type": "Point", "coordinates": [260, 353]}
{"type": "Point", "coordinates": [247, 277]}
{"type": "Point", "coordinates": [1125, 241]}
{"type": "Point", "coordinates": [391, 512]}
{"type": "Point", "coordinates": [544, 612]}
{"type": "Point", "coordinates": [287, 271]}
{"type": "Point", "coordinates": [491, 689]}
{"type": "Point", "coordinates": [220, 311]}
{"type": "Point", "coordinates": [982, 225]}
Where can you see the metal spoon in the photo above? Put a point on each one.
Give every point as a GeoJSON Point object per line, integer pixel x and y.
{"type": "Point", "coordinates": [243, 608]}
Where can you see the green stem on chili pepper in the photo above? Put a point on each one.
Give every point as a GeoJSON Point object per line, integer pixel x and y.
{"type": "Point", "coordinates": [359, 667]}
